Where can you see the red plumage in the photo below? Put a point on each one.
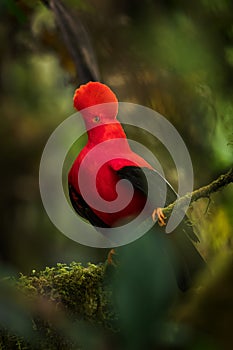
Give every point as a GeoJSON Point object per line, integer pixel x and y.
{"type": "Point", "coordinates": [94, 94]}
{"type": "Point", "coordinates": [91, 94]}
{"type": "Point", "coordinates": [98, 106]}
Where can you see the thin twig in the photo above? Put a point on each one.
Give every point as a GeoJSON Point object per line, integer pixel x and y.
{"type": "Point", "coordinates": [203, 192]}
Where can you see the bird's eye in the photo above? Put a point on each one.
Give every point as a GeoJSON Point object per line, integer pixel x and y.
{"type": "Point", "coordinates": [96, 119]}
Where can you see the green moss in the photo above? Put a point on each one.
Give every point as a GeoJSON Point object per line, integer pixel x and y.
{"type": "Point", "coordinates": [56, 300]}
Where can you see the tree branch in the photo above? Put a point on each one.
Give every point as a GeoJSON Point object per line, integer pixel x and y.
{"type": "Point", "coordinates": [77, 41]}
{"type": "Point", "coordinates": [203, 192]}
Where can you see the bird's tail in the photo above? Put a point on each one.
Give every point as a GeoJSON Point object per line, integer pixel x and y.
{"type": "Point", "coordinates": [184, 257]}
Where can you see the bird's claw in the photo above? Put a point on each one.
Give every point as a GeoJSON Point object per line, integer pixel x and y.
{"type": "Point", "coordinates": [161, 217]}
{"type": "Point", "coordinates": [110, 257]}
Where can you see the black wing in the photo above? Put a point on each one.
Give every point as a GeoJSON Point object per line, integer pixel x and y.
{"type": "Point", "coordinates": [139, 178]}
{"type": "Point", "coordinates": [83, 209]}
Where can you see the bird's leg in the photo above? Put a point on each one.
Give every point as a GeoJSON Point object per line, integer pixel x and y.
{"type": "Point", "coordinates": [110, 257]}
{"type": "Point", "coordinates": [161, 217]}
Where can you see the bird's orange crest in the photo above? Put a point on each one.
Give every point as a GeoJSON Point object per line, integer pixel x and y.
{"type": "Point", "coordinates": [95, 93]}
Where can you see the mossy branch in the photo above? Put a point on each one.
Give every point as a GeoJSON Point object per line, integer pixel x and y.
{"type": "Point", "coordinates": [55, 306]}
{"type": "Point", "coordinates": [203, 192]}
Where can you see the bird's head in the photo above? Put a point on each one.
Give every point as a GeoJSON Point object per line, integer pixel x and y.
{"type": "Point", "coordinates": [96, 102]}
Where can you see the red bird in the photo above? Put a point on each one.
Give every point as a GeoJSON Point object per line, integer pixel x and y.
{"type": "Point", "coordinates": [102, 126]}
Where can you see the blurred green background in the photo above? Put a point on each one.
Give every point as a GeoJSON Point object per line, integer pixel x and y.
{"type": "Point", "coordinates": [174, 56]}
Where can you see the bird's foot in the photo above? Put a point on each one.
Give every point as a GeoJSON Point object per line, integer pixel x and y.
{"type": "Point", "coordinates": [161, 217]}
{"type": "Point", "coordinates": [110, 257]}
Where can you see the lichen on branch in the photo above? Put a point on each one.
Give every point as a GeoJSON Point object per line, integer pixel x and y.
{"type": "Point", "coordinates": [203, 192]}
